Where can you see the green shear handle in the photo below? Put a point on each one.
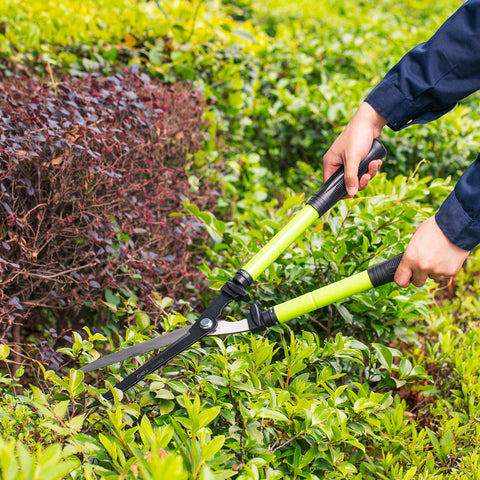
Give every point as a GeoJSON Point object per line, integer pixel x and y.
{"type": "Point", "coordinates": [331, 192]}
{"type": "Point", "coordinates": [375, 276]}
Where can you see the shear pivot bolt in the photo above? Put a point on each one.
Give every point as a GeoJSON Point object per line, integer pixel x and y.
{"type": "Point", "coordinates": [206, 323]}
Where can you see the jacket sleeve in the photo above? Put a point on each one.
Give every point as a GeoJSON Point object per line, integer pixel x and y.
{"type": "Point", "coordinates": [459, 215]}
{"type": "Point", "coordinates": [431, 78]}
{"type": "Point", "coordinates": [427, 82]}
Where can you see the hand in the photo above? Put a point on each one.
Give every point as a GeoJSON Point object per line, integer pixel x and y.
{"type": "Point", "coordinates": [352, 146]}
{"type": "Point", "coordinates": [429, 254]}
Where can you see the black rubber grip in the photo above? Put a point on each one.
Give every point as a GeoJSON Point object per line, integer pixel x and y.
{"type": "Point", "coordinates": [334, 188]}
{"type": "Point", "coordinates": [384, 272]}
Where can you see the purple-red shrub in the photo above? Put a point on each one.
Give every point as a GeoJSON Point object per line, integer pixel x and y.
{"type": "Point", "coordinates": [89, 172]}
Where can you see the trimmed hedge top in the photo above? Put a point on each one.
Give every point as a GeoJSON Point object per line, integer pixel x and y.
{"type": "Point", "coordinates": [90, 171]}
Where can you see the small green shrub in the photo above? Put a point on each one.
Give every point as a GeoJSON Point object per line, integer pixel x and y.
{"type": "Point", "coordinates": [53, 462]}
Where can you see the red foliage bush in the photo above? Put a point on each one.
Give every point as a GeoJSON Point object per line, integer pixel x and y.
{"type": "Point", "coordinates": [89, 172]}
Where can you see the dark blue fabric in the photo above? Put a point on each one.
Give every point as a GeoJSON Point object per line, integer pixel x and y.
{"type": "Point", "coordinates": [431, 78]}
{"type": "Point", "coordinates": [427, 82]}
{"type": "Point", "coordinates": [459, 215]}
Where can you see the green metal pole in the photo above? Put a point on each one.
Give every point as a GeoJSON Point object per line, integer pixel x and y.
{"type": "Point", "coordinates": [322, 296]}
{"type": "Point", "coordinates": [328, 195]}
{"type": "Point", "coordinates": [282, 240]}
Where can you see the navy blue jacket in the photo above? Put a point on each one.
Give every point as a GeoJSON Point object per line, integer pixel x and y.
{"type": "Point", "coordinates": [427, 82]}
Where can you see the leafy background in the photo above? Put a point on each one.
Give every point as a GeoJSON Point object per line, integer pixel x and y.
{"type": "Point", "coordinates": [383, 385]}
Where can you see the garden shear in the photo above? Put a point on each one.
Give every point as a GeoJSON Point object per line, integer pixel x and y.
{"type": "Point", "coordinates": [209, 324]}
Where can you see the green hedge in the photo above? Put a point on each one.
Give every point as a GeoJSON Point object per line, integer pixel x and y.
{"type": "Point", "coordinates": [281, 78]}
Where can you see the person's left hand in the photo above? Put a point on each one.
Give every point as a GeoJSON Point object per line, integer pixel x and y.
{"type": "Point", "coordinates": [353, 144]}
{"type": "Point", "coordinates": [429, 254]}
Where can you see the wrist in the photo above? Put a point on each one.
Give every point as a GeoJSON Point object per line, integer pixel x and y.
{"type": "Point", "coordinates": [372, 117]}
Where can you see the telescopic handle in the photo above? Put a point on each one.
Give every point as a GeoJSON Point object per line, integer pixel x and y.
{"type": "Point", "coordinates": [375, 276]}
{"type": "Point", "coordinates": [331, 192]}
{"type": "Point", "coordinates": [334, 189]}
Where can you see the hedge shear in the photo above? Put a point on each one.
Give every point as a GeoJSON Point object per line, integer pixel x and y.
{"type": "Point", "coordinates": [209, 324]}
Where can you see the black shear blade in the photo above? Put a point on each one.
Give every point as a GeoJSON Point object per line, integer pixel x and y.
{"type": "Point", "coordinates": [130, 352]}
{"type": "Point", "coordinates": [223, 328]}
{"type": "Point", "coordinates": [205, 325]}
{"type": "Point", "coordinates": [192, 335]}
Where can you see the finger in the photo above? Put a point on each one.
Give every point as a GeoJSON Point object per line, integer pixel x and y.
{"type": "Point", "coordinates": [438, 278]}
{"type": "Point", "coordinates": [374, 167]}
{"type": "Point", "coordinates": [351, 178]}
{"type": "Point", "coordinates": [419, 278]}
{"type": "Point", "coordinates": [364, 181]}
{"type": "Point", "coordinates": [403, 275]}
{"type": "Point", "coordinates": [372, 171]}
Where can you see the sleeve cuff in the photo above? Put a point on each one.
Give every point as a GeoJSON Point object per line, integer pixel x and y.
{"type": "Point", "coordinates": [390, 102]}
{"type": "Point", "coordinates": [457, 225]}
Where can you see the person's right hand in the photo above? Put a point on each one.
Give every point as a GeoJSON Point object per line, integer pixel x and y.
{"type": "Point", "coordinates": [429, 254]}
{"type": "Point", "coordinates": [352, 146]}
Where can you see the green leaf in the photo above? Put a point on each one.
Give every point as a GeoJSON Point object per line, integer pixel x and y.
{"type": "Point", "coordinates": [166, 406]}
{"type": "Point", "coordinates": [166, 434]}
{"type": "Point", "coordinates": [217, 380]}
{"type": "Point", "coordinates": [164, 394]}
{"type": "Point", "coordinates": [308, 457]}
{"type": "Point", "coordinates": [364, 403]}
{"type": "Point", "coordinates": [432, 437]}
{"type": "Point", "coordinates": [347, 468]}
{"type": "Point", "coordinates": [405, 367]}
{"type": "Point", "coordinates": [75, 382]}
{"type": "Point", "coordinates": [410, 473]}
{"type": "Point", "coordinates": [75, 424]}
{"type": "Point", "coordinates": [25, 460]}
{"type": "Point", "coordinates": [297, 104]}
{"type": "Point", "coordinates": [418, 371]}
{"type": "Point", "coordinates": [110, 446]}
{"type": "Point", "coordinates": [346, 315]}
{"type": "Point", "coordinates": [61, 408]}
{"type": "Point", "coordinates": [4, 351]}
{"type": "Point", "coordinates": [273, 414]}
{"type": "Point", "coordinates": [213, 447]}
{"type": "Point", "coordinates": [235, 99]}
{"type": "Point", "coordinates": [50, 463]}
{"type": "Point", "coordinates": [244, 35]}
{"type": "Point", "coordinates": [206, 416]}
{"type": "Point", "coordinates": [112, 298]}
{"type": "Point", "coordinates": [447, 439]}
{"type": "Point", "coordinates": [384, 355]}
{"type": "Point", "coordinates": [142, 320]}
